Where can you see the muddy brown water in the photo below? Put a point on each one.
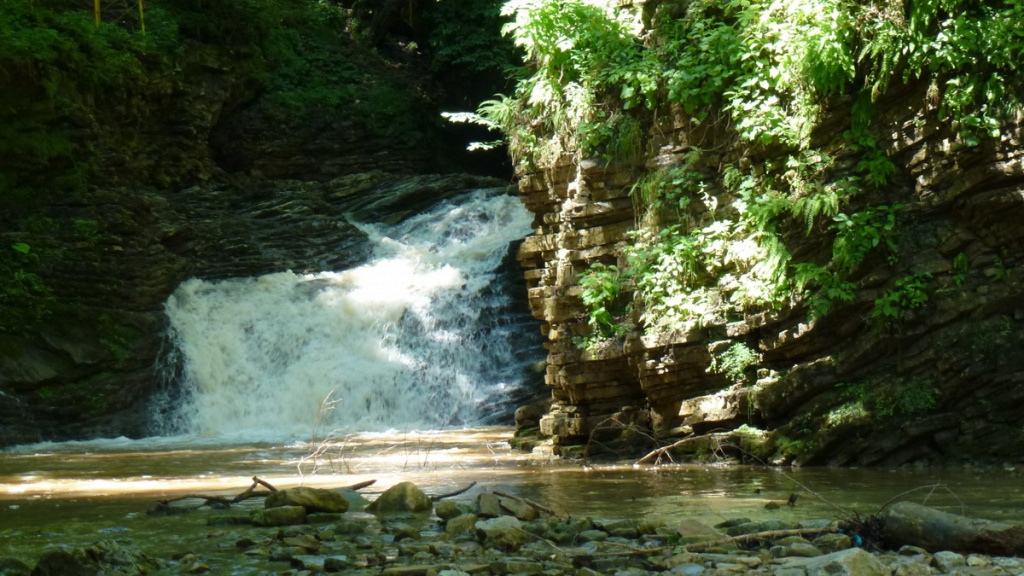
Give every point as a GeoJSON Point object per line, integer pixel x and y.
{"type": "Point", "coordinates": [78, 492]}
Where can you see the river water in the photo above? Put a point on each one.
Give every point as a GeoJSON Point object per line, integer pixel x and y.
{"type": "Point", "coordinates": [265, 373]}
{"type": "Point", "coordinates": [79, 492]}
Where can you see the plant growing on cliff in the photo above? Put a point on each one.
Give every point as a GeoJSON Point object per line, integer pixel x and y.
{"type": "Point", "coordinates": [601, 290]}
{"type": "Point", "coordinates": [734, 362]}
{"type": "Point", "coordinates": [909, 293]}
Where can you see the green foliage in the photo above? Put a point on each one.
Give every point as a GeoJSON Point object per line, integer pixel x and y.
{"type": "Point", "coordinates": [734, 362]}
{"type": "Point", "coordinates": [24, 297]}
{"type": "Point", "coordinates": [960, 267]}
{"type": "Point", "coordinates": [909, 293]}
{"type": "Point", "coordinates": [889, 398]}
{"type": "Point", "coordinates": [600, 284]}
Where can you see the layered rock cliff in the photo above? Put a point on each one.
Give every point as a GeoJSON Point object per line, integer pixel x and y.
{"type": "Point", "coordinates": [914, 360]}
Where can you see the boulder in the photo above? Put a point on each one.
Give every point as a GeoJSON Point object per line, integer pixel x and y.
{"type": "Point", "coordinates": [402, 497]}
{"type": "Point", "coordinates": [279, 516]}
{"type": "Point", "coordinates": [312, 499]}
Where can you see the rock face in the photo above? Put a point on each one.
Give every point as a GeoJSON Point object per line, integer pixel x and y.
{"type": "Point", "coordinates": [945, 377]}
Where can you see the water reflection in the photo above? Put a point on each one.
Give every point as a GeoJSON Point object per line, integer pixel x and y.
{"type": "Point", "coordinates": [83, 488]}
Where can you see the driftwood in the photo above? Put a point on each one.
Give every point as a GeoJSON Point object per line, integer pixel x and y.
{"type": "Point", "coordinates": [450, 494]}
{"type": "Point", "coordinates": [759, 536]}
{"type": "Point", "coordinates": [250, 492]}
{"type": "Point", "coordinates": [909, 523]}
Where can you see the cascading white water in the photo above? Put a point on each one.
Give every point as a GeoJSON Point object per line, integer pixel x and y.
{"type": "Point", "coordinates": [410, 340]}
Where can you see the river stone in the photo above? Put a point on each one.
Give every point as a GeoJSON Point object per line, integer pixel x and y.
{"type": "Point", "coordinates": [465, 523]}
{"type": "Point", "coordinates": [687, 568]}
{"type": "Point", "coordinates": [312, 499]}
{"type": "Point", "coordinates": [850, 562]}
{"type": "Point", "coordinates": [833, 542]}
{"type": "Point", "coordinates": [446, 510]}
{"type": "Point", "coordinates": [402, 497]}
{"type": "Point", "coordinates": [489, 505]}
{"type": "Point", "coordinates": [593, 535]}
{"type": "Point", "coordinates": [304, 541]}
{"type": "Point", "coordinates": [947, 561]}
{"type": "Point", "coordinates": [336, 563]}
{"type": "Point", "coordinates": [503, 532]}
{"type": "Point", "coordinates": [279, 516]}
{"type": "Point", "coordinates": [519, 509]}
{"type": "Point", "coordinates": [512, 565]}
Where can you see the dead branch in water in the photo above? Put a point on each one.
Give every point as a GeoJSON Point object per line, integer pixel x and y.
{"type": "Point", "coordinates": [450, 494]}
{"type": "Point", "coordinates": [664, 450]}
{"type": "Point", "coordinates": [251, 492]}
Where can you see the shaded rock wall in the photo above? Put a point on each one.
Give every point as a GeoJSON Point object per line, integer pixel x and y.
{"type": "Point", "coordinates": [957, 356]}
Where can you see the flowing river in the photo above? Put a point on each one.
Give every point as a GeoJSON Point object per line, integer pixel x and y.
{"type": "Point", "coordinates": [391, 371]}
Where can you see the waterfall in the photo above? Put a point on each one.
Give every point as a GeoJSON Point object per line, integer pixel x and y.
{"type": "Point", "coordinates": [421, 336]}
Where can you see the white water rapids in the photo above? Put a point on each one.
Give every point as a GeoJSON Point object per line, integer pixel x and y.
{"type": "Point", "coordinates": [414, 339]}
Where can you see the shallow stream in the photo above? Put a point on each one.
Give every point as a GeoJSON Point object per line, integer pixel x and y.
{"type": "Point", "coordinates": [79, 492]}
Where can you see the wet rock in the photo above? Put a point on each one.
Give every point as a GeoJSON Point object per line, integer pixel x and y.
{"type": "Point", "coordinates": [279, 516]}
{"type": "Point", "coordinates": [946, 561]}
{"type": "Point", "coordinates": [403, 531]}
{"type": "Point", "coordinates": [503, 532]}
{"type": "Point", "coordinates": [519, 509]}
{"type": "Point", "coordinates": [832, 542]}
{"type": "Point", "coordinates": [336, 563]}
{"type": "Point", "coordinates": [463, 524]}
{"type": "Point", "coordinates": [514, 565]}
{"type": "Point", "coordinates": [851, 562]}
{"type": "Point", "coordinates": [447, 509]}
{"type": "Point", "coordinates": [593, 535]}
{"type": "Point", "coordinates": [304, 541]}
{"type": "Point", "coordinates": [308, 562]}
{"type": "Point", "coordinates": [351, 526]}
{"type": "Point", "coordinates": [802, 549]}
{"type": "Point", "coordinates": [312, 499]}
{"type": "Point", "coordinates": [489, 505]}
{"type": "Point", "coordinates": [402, 497]}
